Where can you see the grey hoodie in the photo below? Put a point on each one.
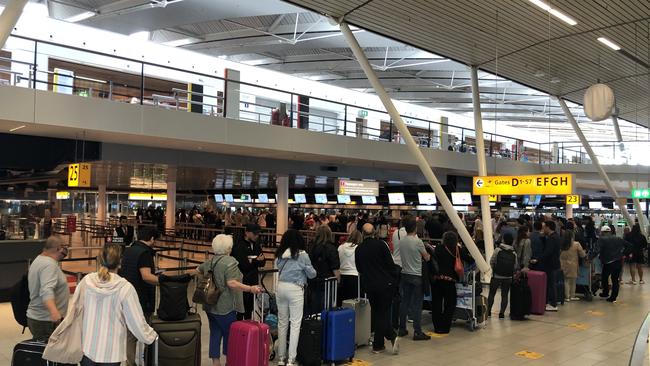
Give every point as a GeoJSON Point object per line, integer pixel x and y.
{"type": "Point", "coordinates": [295, 270]}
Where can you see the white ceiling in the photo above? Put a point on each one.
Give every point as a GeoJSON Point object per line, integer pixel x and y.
{"type": "Point", "coordinates": [283, 37]}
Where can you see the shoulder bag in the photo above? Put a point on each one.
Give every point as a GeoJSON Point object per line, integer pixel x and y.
{"type": "Point", "coordinates": [207, 292]}
{"type": "Point", "coordinates": [458, 265]}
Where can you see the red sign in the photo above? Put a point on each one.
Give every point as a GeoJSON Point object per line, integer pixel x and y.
{"type": "Point", "coordinates": [70, 224]}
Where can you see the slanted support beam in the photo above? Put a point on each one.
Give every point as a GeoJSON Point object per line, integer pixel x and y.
{"type": "Point", "coordinates": [413, 148]}
{"type": "Point", "coordinates": [594, 160]}
{"type": "Point", "coordinates": [486, 215]}
{"type": "Point", "coordinates": [9, 18]}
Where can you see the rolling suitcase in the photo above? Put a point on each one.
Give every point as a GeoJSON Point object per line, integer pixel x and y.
{"type": "Point", "coordinates": [249, 342]}
{"type": "Point", "coordinates": [520, 298]}
{"type": "Point", "coordinates": [537, 283]}
{"type": "Point", "coordinates": [337, 327]}
{"type": "Point", "coordinates": [179, 342]}
{"type": "Point", "coordinates": [361, 307]}
{"type": "Point", "coordinates": [29, 353]}
{"type": "Point", "coordinates": [309, 342]}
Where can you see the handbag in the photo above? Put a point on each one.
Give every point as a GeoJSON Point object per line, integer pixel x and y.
{"type": "Point", "coordinates": [207, 292]}
{"type": "Point", "coordinates": [458, 265]}
{"type": "Point", "coordinates": [65, 345]}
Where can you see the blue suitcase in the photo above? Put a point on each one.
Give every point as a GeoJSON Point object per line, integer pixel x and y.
{"type": "Point", "coordinates": [337, 328]}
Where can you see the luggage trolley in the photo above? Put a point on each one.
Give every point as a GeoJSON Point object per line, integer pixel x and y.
{"type": "Point", "coordinates": [470, 305]}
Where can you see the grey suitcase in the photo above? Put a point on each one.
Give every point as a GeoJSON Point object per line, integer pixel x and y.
{"type": "Point", "coordinates": [361, 307]}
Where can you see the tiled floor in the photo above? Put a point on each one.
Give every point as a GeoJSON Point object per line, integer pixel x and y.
{"type": "Point", "coordinates": [604, 335]}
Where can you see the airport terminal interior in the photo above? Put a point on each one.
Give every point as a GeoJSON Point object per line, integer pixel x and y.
{"type": "Point", "coordinates": [515, 131]}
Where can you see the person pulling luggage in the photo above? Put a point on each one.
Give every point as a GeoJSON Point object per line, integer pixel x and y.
{"type": "Point", "coordinates": [504, 265]}
{"type": "Point", "coordinates": [248, 253]}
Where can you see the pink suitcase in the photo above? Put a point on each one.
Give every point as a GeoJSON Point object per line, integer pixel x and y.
{"type": "Point", "coordinates": [537, 283]}
{"type": "Point", "coordinates": [248, 344]}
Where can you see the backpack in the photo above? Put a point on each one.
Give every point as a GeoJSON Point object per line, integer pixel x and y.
{"type": "Point", "coordinates": [505, 265]}
{"type": "Point", "coordinates": [173, 304]}
{"type": "Point", "coordinates": [20, 301]}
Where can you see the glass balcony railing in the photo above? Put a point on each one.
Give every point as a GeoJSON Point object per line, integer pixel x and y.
{"type": "Point", "coordinates": [48, 66]}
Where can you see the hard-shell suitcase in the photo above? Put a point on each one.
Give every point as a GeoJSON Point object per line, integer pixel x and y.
{"type": "Point", "coordinates": [179, 342]}
{"type": "Point", "coordinates": [29, 353]}
{"type": "Point", "coordinates": [338, 328]}
{"type": "Point", "coordinates": [249, 342]}
{"type": "Point", "coordinates": [537, 283]}
{"type": "Point", "coordinates": [361, 307]}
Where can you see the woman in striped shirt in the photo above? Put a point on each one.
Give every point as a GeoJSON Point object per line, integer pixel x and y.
{"type": "Point", "coordinates": [110, 306]}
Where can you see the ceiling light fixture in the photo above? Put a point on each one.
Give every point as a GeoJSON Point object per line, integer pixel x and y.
{"type": "Point", "coordinates": [556, 13]}
{"type": "Point", "coordinates": [81, 16]}
{"type": "Point", "coordinates": [17, 128]}
{"type": "Point", "coordinates": [609, 43]}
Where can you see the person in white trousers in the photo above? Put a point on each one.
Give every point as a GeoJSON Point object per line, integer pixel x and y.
{"type": "Point", "coordinates": [294, 268]}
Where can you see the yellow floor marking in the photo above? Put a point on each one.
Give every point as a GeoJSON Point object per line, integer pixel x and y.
{"type": "Point", "coordinates": [594, 312]}
{"type": "Point", "coordinates": [579, 326]}
{"type": "Point", "coordinates": [529, 355]}
{"type": "Point", "coordinates": [358, 362]}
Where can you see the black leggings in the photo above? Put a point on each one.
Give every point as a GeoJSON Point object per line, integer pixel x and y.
{"type": "Point", "coordinates": [495, 284]}
{"type": "Point", "coordinates": [443, 305]}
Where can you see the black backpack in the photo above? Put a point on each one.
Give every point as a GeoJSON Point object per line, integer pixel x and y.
{"type": "Point", "coordinates": [505, 265]}
{"type": "Point", "coordinates": [20, 301]}
{"type": "Point", "coordinates": [173, 304]}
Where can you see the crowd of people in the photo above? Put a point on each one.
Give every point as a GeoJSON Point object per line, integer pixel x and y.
{"type": "Point", "coordinates": [392, 263]}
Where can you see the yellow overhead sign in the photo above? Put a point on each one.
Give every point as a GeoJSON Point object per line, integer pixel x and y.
{"type": "Point", "coordinates": [493, 198]}
{"type": "Point", "coordinates": [573, 199]}
{"type": "Point", "coordinates": [79, 175]}
{"type": "Point", "coordinates": [517, 185]}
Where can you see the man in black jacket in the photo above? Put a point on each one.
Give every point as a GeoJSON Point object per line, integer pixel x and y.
{"type": "Point", "coordinates": [379, 279]}
{"type": "Point", "coordinates": [125, 231]}
{"type": "Point", "coordinates": [248, 252]}
{"type": "Point", "coordinates": [612, 250]}
{"type": "Point", "coordinates": [550, 263]}
{"type": "Point", "coordinates": [138, 268]}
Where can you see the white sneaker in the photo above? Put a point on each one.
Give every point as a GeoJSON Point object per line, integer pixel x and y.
{"type": "Point", "coordinates": [281, 362]}
{"type": "Point", "coordinates": [551, 308]}
{"type": "Point", "coordinates": [575, 299]}
{"type": "Point", "coordinates": [292, 363]}
{"type": "Point", "coordinates": [567, 300]}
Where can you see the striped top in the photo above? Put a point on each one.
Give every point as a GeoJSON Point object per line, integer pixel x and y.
{"type": "Point", "coordinates": [109, 308]}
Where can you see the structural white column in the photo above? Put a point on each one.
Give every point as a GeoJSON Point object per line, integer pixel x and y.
{"type": "Point", "coordinates": [444, 133]}
{"type": "Point", "coordinates": [101, 203]}
{"type": "Point", "coordinates": [486, 215]}
{"type": "Point", "coordinates": [232, 95]}
{"type": "Point", "coordinates": [170, 210]}
{"type": "Point", "coordinates": [640, 215]}
{"type": "Point", "coordinates": [569, 211]}
{"type": "Point", "coordinates": [413, 148]}
{"type": "Point", "coordinates": [282, 214]}
{"type": "Point", "coordinates": [9, 18]}
{"type": "Point", "coordinates": [594, 158]}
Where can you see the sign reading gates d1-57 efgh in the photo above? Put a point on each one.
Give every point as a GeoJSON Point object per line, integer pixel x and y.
{"type": "Point", "coordinates": [546, 184]}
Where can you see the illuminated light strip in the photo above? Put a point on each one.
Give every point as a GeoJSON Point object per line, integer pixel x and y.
{"type": "Point", "coordinates": [556, 13]}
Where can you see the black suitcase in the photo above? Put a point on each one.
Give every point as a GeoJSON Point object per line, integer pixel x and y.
{"type": "Point", "coordinates": [520, 298]}
{"type": "Point", "coordinates": [309, 342]}
{"type": "Point", "coordinates": [179, 342]}
{"type": "Point", "coordinates": [29, 353]}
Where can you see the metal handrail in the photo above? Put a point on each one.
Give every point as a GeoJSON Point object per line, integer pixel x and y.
{"type": "Point", "coordinates": [638, 355]}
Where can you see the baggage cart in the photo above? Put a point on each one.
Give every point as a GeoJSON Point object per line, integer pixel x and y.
{"type": "Point", "coordinates": [469, 303]}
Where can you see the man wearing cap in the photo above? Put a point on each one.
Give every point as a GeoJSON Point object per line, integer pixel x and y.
{"type": "Point", "coordinates": [612, 250]}
{"type": "Point", "coordinates": [248, 253]}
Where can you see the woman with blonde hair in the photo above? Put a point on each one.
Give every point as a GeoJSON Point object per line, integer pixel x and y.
{"type": "Point", "coordinates": [104, 306]}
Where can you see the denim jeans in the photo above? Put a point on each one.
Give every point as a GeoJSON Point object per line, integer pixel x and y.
{"type": "Point", "coordinates": [411, 287]}
{"type": "Point", "coordinates": [290, 299]}
{"type": "Point", "coordinates": [219, 331]}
